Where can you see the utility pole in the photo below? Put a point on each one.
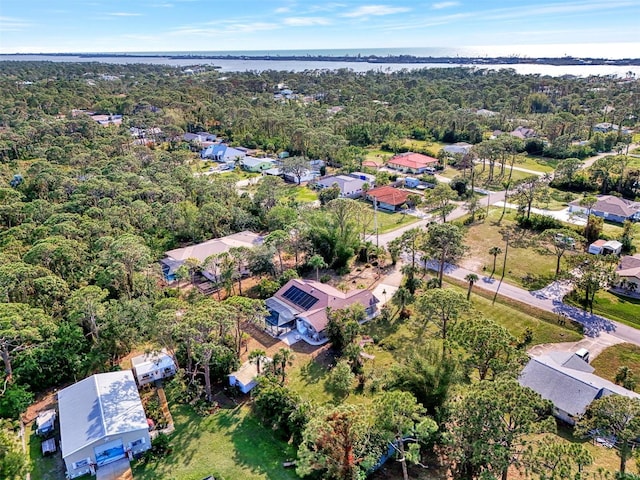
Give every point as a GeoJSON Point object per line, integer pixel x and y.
{"type": "Point", "coordinates": [375, 220]}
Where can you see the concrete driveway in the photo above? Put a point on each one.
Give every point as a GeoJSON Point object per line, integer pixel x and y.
{"type": "Point", "coordinates": [595, 345]}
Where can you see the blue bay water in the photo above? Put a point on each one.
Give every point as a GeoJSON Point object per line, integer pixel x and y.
{"type": "Point", "coordinates": [249, 64]}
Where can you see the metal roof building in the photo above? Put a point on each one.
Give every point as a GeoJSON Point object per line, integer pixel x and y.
{"type": "Point", "coordinates": [101, 421]}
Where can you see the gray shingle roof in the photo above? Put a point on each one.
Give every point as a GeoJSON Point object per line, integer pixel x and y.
{"type": "Point", "coordinates": [98, 406]}
{"type": "Point", "coordinates": [570, 389]}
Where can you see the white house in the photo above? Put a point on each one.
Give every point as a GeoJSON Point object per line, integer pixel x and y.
{"type": "Point", "coordinates": [604, 247]}
{"type": "Point", "coordinates": [101, 421]}
{"type": "Point", "coordinates": [246, 377]}
{"type": "Point", "coordinates": [153, 366]}
{"type": "Point", "coordinates": [569, 383]}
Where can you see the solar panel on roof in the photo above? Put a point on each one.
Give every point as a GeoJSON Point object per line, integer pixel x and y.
{"type": "Point", "coordinates": [300, 298]}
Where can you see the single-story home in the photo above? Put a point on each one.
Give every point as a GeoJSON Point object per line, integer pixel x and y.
{"type": "Point", "coordinates": [153, 366]}
{"type": "Point", "coordinates": [629, 274]}
{"type": "Point", "coordinates": [106, 120]}
{"type": "Point", "coordinates": [199, 137]}
{"type": "Point", "coordinates": [569, 383]}
{"type": "Point", "coordinates": [372, 164]}
{"type": "Point", "coordinates": [246, 377]}
{"type": "Point", "coordinates": [350, 187]}
{"type": "Point", "coordinates": [460, 148]}
{"type": "Point", "coordinates": [609, 207]}
{"type": "Point", "coordinates": [367, 177]}
{"type": "Point", "coordinates": [388, 198]}
{"type": "Point", "coordinates": [606, 127]}
{"type": "Point", "coordinates": [221, 152]}
{"type": "Point", "coordinates": [45, 422]}
{"type": "Point", "coordinates": [251, 164]}
{"type": "Point", "coordinates": [605, 247]}
{"type": "Point", "coordinates": [101, 421]}
{"type": "Point", "coordinates": [202, 251]}
{"type": "Point", "coordinates": [523, 133]}
{"type": "Point", "coordinates": [307, 176]}
{"type": "Point", "coordinates": [415, 163]}
{"type": "Point", "coordinates": [302, 305]}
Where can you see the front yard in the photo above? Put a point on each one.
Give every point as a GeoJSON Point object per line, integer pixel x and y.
{"type": "Point", "coordinates": [622, 355]}
{"type": "Point", "coordinates": [614, 307]}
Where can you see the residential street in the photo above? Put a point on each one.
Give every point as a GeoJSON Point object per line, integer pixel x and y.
{"type": "Point", "coordinates": [593, 324]}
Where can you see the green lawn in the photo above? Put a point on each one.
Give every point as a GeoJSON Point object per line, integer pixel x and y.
{"type": "Point", "coordinates": [433, 147]}
{"type": "Point", "coordinates": [608, 362]}
{"type": "Point", "coordinates": [388, 221]}
{"type": "Point", "coordinates": [303, 194]}
{"type": "Point", "coordinates": [481, 177]}
{"type": "Point", "coordinates": [538, 164]}
{"type": "Point", "coordinates": [517, 317]}
{"type": "Point", "coordinates": [230, 444]}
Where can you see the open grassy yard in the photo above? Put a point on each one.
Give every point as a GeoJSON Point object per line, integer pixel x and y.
{"type": "Point", "coordinates": [517, 318]}
{"type": "Point", "coordinates": [526, 262]}
{"type": "Point", "coordinates": [229, 444]}
{"type": "Point", "coordinates": [538, 164]}
{"type": "Point", "coordinates": [302, 194]}
{"type": "Point", "coordinates": [481, 177]}
{"type": "Point", "coordinates": [433, 147]}
{"type": "Point", "coordinates": [614, 231]}
{"type": "Point", "coordinates": [608, 362]}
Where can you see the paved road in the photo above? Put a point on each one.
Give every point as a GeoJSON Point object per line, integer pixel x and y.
{"type": "Point", "coordinates": [591, 160]}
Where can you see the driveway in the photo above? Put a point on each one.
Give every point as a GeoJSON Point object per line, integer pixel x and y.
{"type": "Point", "coordinates": [595, 345]}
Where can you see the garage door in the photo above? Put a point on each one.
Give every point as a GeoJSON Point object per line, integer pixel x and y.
{"type": "Point", "coordinates": [109, 452]}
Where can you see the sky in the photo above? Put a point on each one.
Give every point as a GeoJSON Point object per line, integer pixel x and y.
{"type": "Point", "coordinates": [610, 28]}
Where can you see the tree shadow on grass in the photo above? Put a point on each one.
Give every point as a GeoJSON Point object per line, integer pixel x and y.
{"type": "Point", "coordinates": [313, 372]}
{"type": "Point", "coordinates": [258, 450]}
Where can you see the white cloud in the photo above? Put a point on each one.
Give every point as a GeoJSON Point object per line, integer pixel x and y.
{"type": "Point", "coordinates": [11, 24]}
{"type": "Point", "coordinates": [305, 21]}
{"type": "Point", "coordinates": [375, 10]}
{"type": "Point", "coordinates": [124, 14]}
{"type": "Point", "coordinates": [556, 9]}
{"type": "Point", "coordinates": [283, 10]}
{"type": "Point", "coordinates": [230, 28]}
{"type": "Point", "coordinates": [443, 5]}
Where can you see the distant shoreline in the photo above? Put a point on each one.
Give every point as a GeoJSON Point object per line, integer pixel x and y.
{"type": "Point", "coordinates": [373, 59]}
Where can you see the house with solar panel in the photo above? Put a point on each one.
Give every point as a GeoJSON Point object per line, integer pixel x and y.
{"type": "Point", "coordinates": [102, 421]}
{"type": "Point", "coordinates": [302, 305]}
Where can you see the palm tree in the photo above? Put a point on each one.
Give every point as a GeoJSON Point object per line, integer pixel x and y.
{"type": "Point", "coordinates": [317, 262]}
{"type": "Point", "coordinates": [401, 298]}
{"type": "Point", "coordinates": [495, 251]}
{"type": "Point", "coordinates": [281, 359]}
{"type": "Point", "coordinates": [471, 278]}
{"type": "Point", "coordinates": [257, 356]}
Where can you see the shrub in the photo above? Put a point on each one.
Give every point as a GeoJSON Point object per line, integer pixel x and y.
{"type": "Point", "coordinates": [538, 223]}
{"type": "Point", "coordinates": [325, 278]}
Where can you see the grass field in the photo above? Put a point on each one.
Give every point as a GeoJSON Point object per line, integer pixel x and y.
{"type": "Point", "coordinates": [517, 317]}
{"type": "Point", "coordinates": [525, 261]}
{"type": "Point", "coordinates": [608, 362]}
{"type": "Point", "coordinates": [302, 194]}
{"type": "Point", "coordinates": [229, 444]}
{"type": "Point", "coordinates": [538, 164]}
{"type": "Point", "coordinates": [388, 221]}
{"type": "Point", "coordinates": [617, 307]}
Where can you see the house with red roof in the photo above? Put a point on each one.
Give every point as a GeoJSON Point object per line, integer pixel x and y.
{"type": "Point", "coordinates": [388, 198]}
{"type": "Point", "coordinates": [410, 162]}
{"type": "Point", "coordinates": [302, 305]}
